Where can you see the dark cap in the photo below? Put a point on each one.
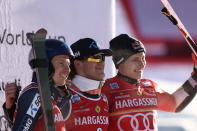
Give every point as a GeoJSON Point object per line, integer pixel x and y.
{"type": "Point", "coordinates": [56, 47]}
{"type": "Point", "coordinates": [87, 47]}
{"type": "Point", "coordinates": [124, 46]}
{"type": "Point", "coordinates": [53, 48]}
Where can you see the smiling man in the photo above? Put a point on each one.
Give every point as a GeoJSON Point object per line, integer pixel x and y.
{"type": "Point", "coordinates": [133, 101]}
{"type": "Point", "coordinates": [89, 106]}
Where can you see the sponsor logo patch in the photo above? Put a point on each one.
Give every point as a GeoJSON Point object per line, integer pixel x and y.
{"type": "Point", "coordinates": [27, 125]}
{"type": "Point", "coordinates": [98, 109]}
{"type": "Point", "coordinates": [75, 98]}
{"type": "Point", "coordinates": [35, 105]}
{"type": "Point", "coordinates": [82, 110]}
{"type": "Point", "coordinates": [114, 86]}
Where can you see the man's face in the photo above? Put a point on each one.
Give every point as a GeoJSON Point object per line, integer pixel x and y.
{"type": "Point", "coordinates": [61, 65]}
{"type": "Point", "coordinates": [134, 66]}
{"type": "Point", "coordinates": [92, 70]}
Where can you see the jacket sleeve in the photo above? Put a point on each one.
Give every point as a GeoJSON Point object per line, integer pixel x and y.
{"type": "Point", "coordinates": [177, 101]}
{"type": "Point", "coordinates": [9, 113]}
{"type": "Point", "coordinates": [185, 94]}
{"type": "Point", "coordinates": [28, 110]}
{"type": "Point", "coordinates": [166, 101]}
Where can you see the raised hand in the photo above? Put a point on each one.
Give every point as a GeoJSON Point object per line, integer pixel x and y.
{"type": "Point", "coordinates": [11, 94]}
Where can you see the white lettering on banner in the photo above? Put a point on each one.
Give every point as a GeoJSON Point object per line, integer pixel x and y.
{"type": "Point", "coordinates": [28, 124]}
{"type": "Point", "coordinates": [20, 38]}
{"type": "Point", "coordinates": [136, 102]}
{"type": "Point", "coordinates": [91, 120]}
{"type": "Point", "coordinates": [135, 124]}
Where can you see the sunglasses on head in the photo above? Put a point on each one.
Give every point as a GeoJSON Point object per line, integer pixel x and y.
{"type": "Point", "coordinates": [96, 58]}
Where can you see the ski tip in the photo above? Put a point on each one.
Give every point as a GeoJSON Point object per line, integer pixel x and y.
{"type": "Point", "coordinates": [41, 31]}
{"type": "Point", "coordinates": [164, 10]}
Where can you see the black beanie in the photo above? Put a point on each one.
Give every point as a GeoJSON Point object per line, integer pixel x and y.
{"type": "Point", "coordinates": [124, 46]}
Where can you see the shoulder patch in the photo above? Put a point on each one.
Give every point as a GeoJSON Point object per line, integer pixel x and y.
{"type": "Point", "coordinates": [75, 98]}
{"type": "Point", "coordinates": [114, 85]}
{"type": "Point", "coordinates": [35, 105]}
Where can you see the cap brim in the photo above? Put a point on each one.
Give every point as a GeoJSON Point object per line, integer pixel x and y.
{"type": "Point", "coordinates": [106, 52]}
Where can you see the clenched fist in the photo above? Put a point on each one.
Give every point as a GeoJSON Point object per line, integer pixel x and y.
{"type": "Point", "coordinates": [11, 94]}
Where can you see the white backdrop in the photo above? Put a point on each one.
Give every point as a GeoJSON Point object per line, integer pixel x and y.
{"type": "Point", "coordinates": [67, 20]}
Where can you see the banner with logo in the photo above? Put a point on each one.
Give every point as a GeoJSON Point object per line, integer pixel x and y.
{"type": "Point", "coordinates": [66, 20]}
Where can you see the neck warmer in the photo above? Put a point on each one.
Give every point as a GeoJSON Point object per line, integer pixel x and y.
{"type": "Point", "coordinates": [85, 84]}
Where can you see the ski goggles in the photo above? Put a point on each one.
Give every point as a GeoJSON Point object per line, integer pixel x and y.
{"type": "Point", "coordinates": [96, 58]}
